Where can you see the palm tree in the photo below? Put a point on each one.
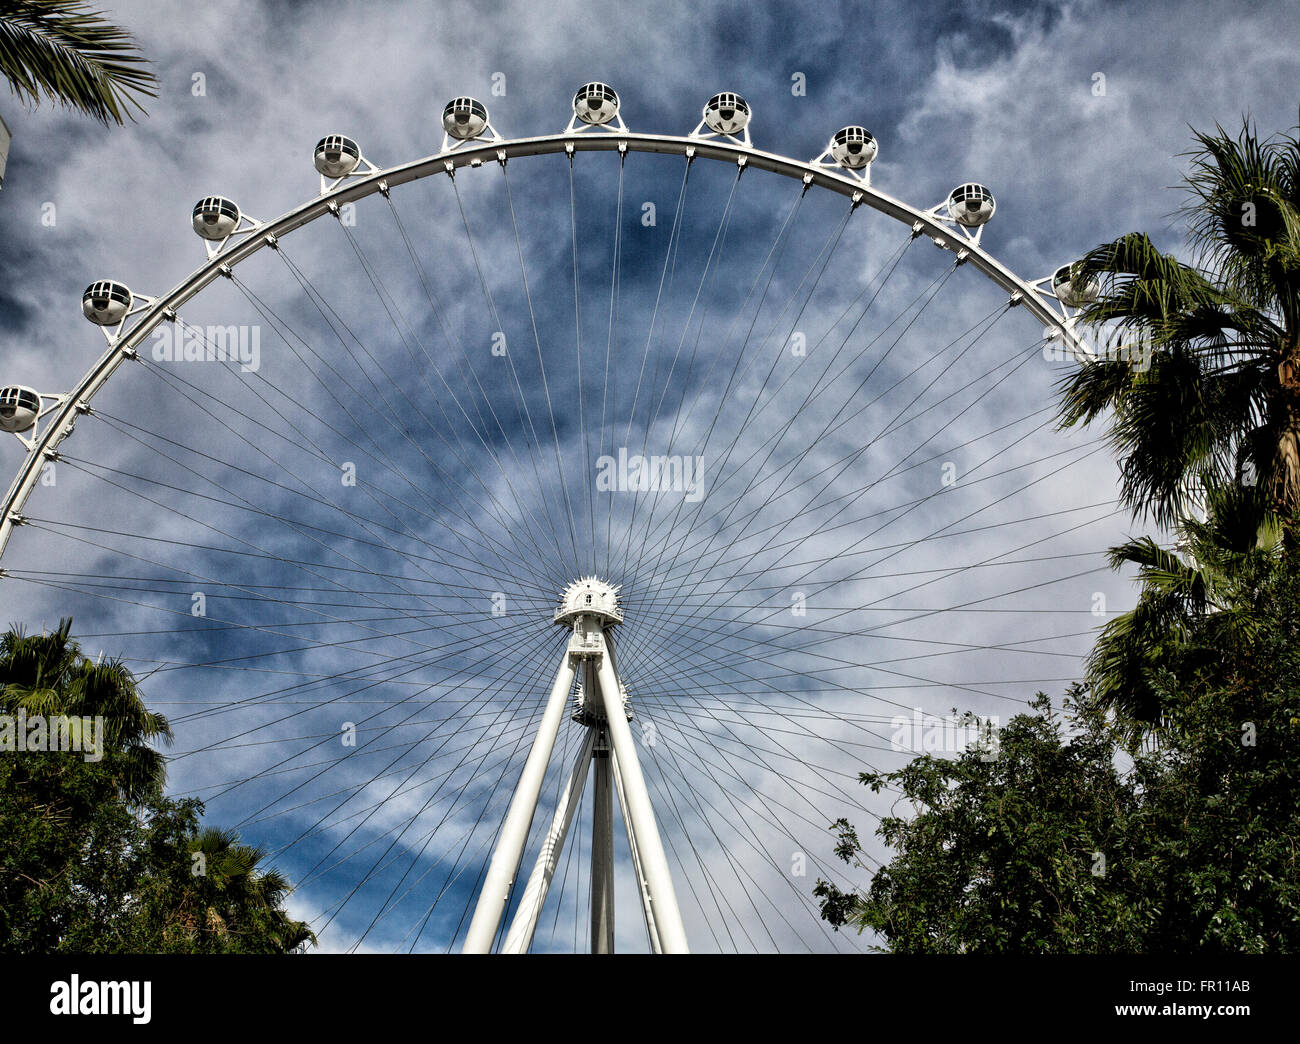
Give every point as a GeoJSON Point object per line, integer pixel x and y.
{"type": "Point", "coordinates": [233, 906]}
{"type": "Point", "coordinates": [1220, 401]}
{"type": "Point", "coordinates": [47, 674]}
{"type": "Point", "coordinates": [1192, 597]}
{"type": "Point", "coordinates": [68, 52]}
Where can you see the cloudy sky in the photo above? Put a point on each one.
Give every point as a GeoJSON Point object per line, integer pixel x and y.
{"type": "Point", "coordinates": [900, 483]}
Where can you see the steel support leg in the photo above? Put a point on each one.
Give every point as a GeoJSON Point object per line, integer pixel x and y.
{"type": "Point", "coordinates": [520, 936]}
{"type": "Point", "coordinates": [643, 891]}
{"type": "Point", "coordinates": [641, 822]}
{"type": "Point", "coordinates": [495, 893]}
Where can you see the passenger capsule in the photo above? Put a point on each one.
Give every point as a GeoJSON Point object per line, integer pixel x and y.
{"type": "Point", "coordinates": [595, 104]}
{"type": "Point", "coordinates": [1072, 292]}
{"type": "Point", "coordinates": [105, 303]}
{"type": "Point", "coordinates": [853, 147]}
{"type": "Point", "coordinates": [19, 408]}
{"type": "Point", "coordinates": [336, 156]}
{"type": "Point", "coordinates": [464, 118]}
{"type": "Point", "coordinates": [215, 217]}
{"type": "Point", "coordinates": [971, 205]}
{"type": "Point", "coordinates": [726, 113]}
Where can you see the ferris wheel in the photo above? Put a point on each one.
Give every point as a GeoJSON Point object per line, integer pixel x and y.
{"type": "Point", "coordinates": [482, 497]}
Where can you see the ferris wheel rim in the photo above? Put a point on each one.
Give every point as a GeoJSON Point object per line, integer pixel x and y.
{"type": "Point", "coordinates": [146, 314]}
{"type": "Point", "coordinates": [256, 236]}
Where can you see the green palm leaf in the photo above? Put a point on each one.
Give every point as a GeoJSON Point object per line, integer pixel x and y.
{"type": "Point", "coordinates": [66, 51]}
{"type": "Point", "coordinates": [1223, 387]}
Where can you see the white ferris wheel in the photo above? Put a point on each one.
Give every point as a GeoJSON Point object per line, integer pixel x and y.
{"type": "Point", "coordinates": [484, 501]}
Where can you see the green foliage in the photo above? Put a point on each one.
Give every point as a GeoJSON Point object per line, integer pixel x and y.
{"type": "Point", "coordinates": [95, 859]}
{"type": "Point", "coordinates": [1074, 840]}
{"type": "Point", "coordinates": [1203, 589]}
{"type": "Point", "coordinates": [1222, 393]}
{"type": "Point", "coordinates": [47, 674]}
{"type": "Point", "coordinates": [66, 51]}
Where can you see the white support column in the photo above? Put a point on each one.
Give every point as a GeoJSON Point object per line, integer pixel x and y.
{"type": "Point", "coordinates": [643, 889]}
{"type": "Point", "coordinates": [641, 821]}
{"type": "Point", "coordinates": [520, 936]}
{"type": "Point", "coordinates": [514, 833]}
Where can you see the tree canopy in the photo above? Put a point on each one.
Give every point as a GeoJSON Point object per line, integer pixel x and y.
{"type": "Point", "coordinates": [95, 858]}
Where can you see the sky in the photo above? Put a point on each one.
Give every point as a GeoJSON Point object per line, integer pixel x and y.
{"type": "Point", "coordinates": [903, 477]}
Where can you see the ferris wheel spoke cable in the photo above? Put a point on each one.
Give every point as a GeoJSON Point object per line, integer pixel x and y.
{"type": "Point", "coordinates": [764, 731]}
{"type": "Point", "coordinates": [393, 420]}
{"type": "Point", "coordinates": [784, 752]}
{"type": "Point", "coordinates": [434, 866]}
{"type": "Point", "coordinates": [609, 385]}
{"type": "Point", "coordinates": [321, 827]}
{"type": "Point", "coordinates": [483, 691]}
{"type": "Point", "coordinates": [695, 518]}
{"type": "Point", "coordinates": [862, 572]}
{"type": "Point", "coordinates": [466, 371]}
{"type": "Point", "coordinates": [668, 264]}
{"type": "Point", "coordinates": [168, 379]}
{"type": "Point", "coordinates": [823, 256]}
{"type": "Point", "coordinates": [691, 794]}
{"type": "Point", "coordinates": [719, 705]}
{"type": "Point", "coordinates": [289, 335]}
{"type": "Point", "coordinates": [667, 800]}
{"type": "Point", "coordinates": [526, 646]}
{"type": "Point", "coordinates": [843, 462]}
{"type": "Point", "coordinates": [716, 611]}
{"type": "Point", "coordinates": [394, 312]}
{"type": "Point", "coordinates": [59, 529]}
{"type": "Point", "coordinates": [299, 528]}
{"type": "Point", "coordinates": [833, 237]}
{"type": "Point", "coordinates": [284, 765]}
{"type": "Point", "coordinates": [521, 397]}
{"type": "Point", "coordinates": [334, 505]}
{"type": "Point", "coordinates": [485, 572]}
{"type": "Point", "coordinates": [541, 365]}
{"type": "Point", "coordinates": [710, 269]}
{"type": "Point", "coordinates": [702, 805]}
{"type": "Point", "coordinates": [879, 282]}
{"type": "Point", "coordinates": [737, 819]}
{"type": "Point", "coordinates": [507, 709]}
{"type": "Point", "coordinates": [770, 265]}
{"type": "Point", "coordinates": [480, 769]}
{"type": "Point", "coordinates": [465, 725]}
{"type": "Point", "coordinates": [537, 827]}
{"type": "Point", "coordinates": [752, 586]}
{"type": "Point", "coordinates": [215, 529]}
{"type": "Point", "coordinates": [938, 285]}
{"type": "Point", "coordinates": [306, 643]}
{"type": "Point", "coordinates": [875, 665]}
{"type": "Point", "coordinates": [226, 408]}
{"type": "Point", "coordinates": [776, 528]}
{"type": "Point", "coordinates": [715, 614]}
{"type": "Point", "coordinates": [709, 276]}
{"type": "Point", "coordinates": [463, 838]}
{"type": "Point", "coordinates": [577, 355]}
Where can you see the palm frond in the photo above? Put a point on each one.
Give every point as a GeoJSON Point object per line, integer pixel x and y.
{"type": "Point", "coordinates": [67, 52]}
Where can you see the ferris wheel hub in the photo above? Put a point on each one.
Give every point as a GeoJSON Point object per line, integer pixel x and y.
{"type": "Point", "coordinates": [589, 596]}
